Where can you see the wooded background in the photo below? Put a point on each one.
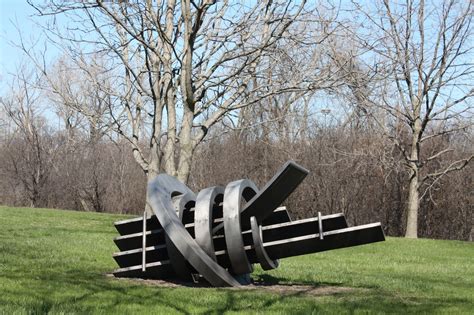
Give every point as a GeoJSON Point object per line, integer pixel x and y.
{"type": "Point", "coordinates": [375, 100]}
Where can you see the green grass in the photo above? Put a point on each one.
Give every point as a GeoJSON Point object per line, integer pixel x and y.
{"type": "Point", "coordinates": [54, 261]}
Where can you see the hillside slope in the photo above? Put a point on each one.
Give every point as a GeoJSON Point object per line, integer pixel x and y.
{"type": "Point", "coordinates": [56, 261]}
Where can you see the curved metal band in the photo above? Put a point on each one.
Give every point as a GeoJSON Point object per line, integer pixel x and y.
{"type": "Point", "coordinates": [260, 252]}
{"type": "Point", "coordinates": [234, 191]}
{"type": "Point", "coordinates": [160, 191]}
{"type": "Point", "coordinates": [203, 218]}
{"type": "Point", "coordinates": [272, 194]}
{"type": "Point", "coordinates": [178, 262]}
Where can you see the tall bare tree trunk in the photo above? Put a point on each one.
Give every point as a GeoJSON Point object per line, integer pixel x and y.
{"type": "Point", "coordinates": [187, 147]}
{"type": "Point", "coordinates": [152, 171]}
{"type": "Point", "coordinates": [413, 193]}
{"type": "Point", "coordinates": [413, 204]}
{"type": "Point", "coordinates": [151, 174]}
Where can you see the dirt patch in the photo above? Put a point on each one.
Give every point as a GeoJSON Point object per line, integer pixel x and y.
{"type": "Point", "coordinates": [283, 289]}
{"type": "Point", "coordinates": [293, 289]}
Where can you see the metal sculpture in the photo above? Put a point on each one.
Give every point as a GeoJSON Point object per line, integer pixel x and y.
{"type": "Point", "coordinates": [219, 234]}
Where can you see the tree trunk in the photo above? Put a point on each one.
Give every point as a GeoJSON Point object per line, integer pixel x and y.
{"type": "Point", "coordinates": [185, 161]}
{"type": "Point", "coordinates": [149, 177]}
{"type": "Point", "coordinates": [413, 163]}
{"type": "Point", "coordinates": [187, 146]}
{"type": "Point", "coordinates": [413, 204]}
{"type": "Point", "coordinates": [152, 172]}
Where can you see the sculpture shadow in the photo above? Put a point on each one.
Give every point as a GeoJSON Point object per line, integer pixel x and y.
{"type": "Point", "coordinates": [265, 280]}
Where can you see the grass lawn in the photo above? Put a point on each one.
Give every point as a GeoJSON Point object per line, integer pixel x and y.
{"type": "Point", "coordinates": [54, 261]}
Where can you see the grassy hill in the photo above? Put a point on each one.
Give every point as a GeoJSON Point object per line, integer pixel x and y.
{"type": "Point", "coordinates": [54, 261]}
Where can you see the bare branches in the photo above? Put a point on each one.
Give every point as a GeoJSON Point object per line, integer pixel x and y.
{"type": "Point", "coordinates": [454, 166]}
{"type": "Point", "coordinates": [186, 64]}
{"type": "Point", "coordinates": [432, 81]}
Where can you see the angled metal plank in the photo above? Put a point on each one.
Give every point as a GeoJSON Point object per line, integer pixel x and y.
{"type": "Point", "coordinates": [132, 241]}
{"type": "Point", "coordinates": [270, 233]}
{"type": "Point", "coordinates": [307, 244]}
{"type": "Point", "coordinates": [155, 270]}
{"type": "Point", "coordinates": [134, 257]}
{"type": "Point", "coordinates": [272, 194]}
{"type": "Point", "coordinates": [134, 225]}
{"type": "Point", "coordinates": [279, 215]}
{"type": "Point", "coordinates": [156, 237]}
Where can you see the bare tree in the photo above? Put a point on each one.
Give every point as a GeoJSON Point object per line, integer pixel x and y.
{"type": "Point", "coordinates": [287, 116]}
{"type": "Point", "coordinates": [424, 57]}
{"type": "Point", "coordinates": [81, 102]}
{"type": "Point", "coordinates": [179, 67]}
{"type": "Point", "coordinates": [29, 146]}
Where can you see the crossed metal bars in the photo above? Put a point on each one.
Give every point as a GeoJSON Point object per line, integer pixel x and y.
{"type": "Point", "coordinates": [213, 236]}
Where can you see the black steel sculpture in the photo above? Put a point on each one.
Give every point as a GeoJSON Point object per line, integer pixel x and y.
{"type": "Point", "coordinates": [218, 234]}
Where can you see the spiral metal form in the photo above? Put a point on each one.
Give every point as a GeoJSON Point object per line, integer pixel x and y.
{"type": "Point", "coordinates": [218, 233]}
{"type": "Point", "coordinates": [170, 200]}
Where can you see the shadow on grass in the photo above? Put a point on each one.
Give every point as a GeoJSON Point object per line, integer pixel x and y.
{"type": "Point", "coordinates": [80, 291]}
{"type": "Point", "coordinates": [269, 280]}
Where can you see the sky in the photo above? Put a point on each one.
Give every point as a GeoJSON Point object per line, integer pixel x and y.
{"type": "Point", "coordinates": [12, 11]}
{"type": "Point", "coordinates": [17, 15]}
{"type": "Point", "coordinates": [18, 12]}
{"type": "Point", "coordinates": [15, 12]}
